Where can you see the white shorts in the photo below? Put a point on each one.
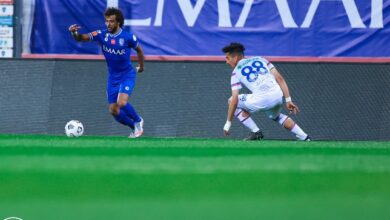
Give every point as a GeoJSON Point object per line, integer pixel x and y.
{"type": "Point", "coordinates": [271, 103]}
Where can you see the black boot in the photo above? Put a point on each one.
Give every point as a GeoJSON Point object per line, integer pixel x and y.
{"type": "Point", "coordinates": [308, 138]}
{"type": "Point", "coordinates": [255, 136]}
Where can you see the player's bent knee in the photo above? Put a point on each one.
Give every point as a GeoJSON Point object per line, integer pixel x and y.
{"type": "Point", "coordinates": [121, 104]}
{"type": "Point", "coordinates": [289, 124]}
{"type": "Point", "coordinates": [281, 119]}
{"type": "Point", "coordinates": [245, 114]}
{"type": "Point", "coordinates": [114, 109]}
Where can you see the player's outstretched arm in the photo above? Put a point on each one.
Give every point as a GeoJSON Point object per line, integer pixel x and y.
{"type": "Point", "coordinates": [141, 59]}
{"type": "Point", "coordinates": [232, 107]}
{"type": "Point", "coordinates": [286, 93]}
{"type": "Point", "coordinates": [79, 37]}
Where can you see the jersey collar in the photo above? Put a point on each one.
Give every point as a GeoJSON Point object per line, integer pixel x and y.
{"type": "Point", "coordinates": [115, 35]}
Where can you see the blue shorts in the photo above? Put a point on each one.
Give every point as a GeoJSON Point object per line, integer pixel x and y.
{"type": "Point", "coordinates": [114, 88]}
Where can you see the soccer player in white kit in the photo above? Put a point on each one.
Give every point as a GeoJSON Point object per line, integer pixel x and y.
{"type": "Point", "coordinates": [268, 88]}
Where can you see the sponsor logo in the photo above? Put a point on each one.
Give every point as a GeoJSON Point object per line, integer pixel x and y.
{"type": "Point", "coordinates": [7, 10]}
{"type": "Point", "coordinates": [6, 42]}
{"type": "Point", "coordinates": [113, 51]}
{"type": "Point", "coordinates": [243, 98]}
{"type": "Point", "coordinates": [193, 12]}
{"type": "Point", "coordinates": [6, 52]}
{"type": "Point", "coordinates": [6, 32]}
{"type": "Point", "coordinates": [6, 20]}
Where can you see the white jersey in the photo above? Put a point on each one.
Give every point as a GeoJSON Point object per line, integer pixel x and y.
{"type": "Point", "coordinates": [255, 74]}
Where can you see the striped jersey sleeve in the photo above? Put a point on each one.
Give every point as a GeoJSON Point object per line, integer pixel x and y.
{"type": "Point", "coordinates": [95, 35]}
{"type": "Point", "coordinates": [269, 64]}
{"type": "Point", "coordinates": [235, 82]}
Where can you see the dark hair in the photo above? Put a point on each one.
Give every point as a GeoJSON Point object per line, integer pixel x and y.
{"type": "Point", "coordinates": [118, 15]}
{"type": "Point", "coordinates": [235, 48]}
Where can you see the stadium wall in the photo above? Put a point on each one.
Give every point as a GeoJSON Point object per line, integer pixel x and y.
{"type": "Point", "coordinates": [338, 101]}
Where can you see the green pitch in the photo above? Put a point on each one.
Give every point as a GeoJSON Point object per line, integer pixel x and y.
{"type": "Point", "coordinates": [51, 177]}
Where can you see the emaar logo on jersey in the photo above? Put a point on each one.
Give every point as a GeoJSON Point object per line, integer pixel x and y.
{"type": "Point", "coordinates": [113, 51]}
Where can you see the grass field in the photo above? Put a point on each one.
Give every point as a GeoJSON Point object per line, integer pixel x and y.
{"type": "Point", "coordinates": [52, 177]}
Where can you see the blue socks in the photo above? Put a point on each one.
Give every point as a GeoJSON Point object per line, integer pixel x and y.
{"type": "Point", "coordinates": [130, 111]}
{"type": "Point", "coordinates": [127, 116]}
{"type": "Point", "coordinates": [124, 119]}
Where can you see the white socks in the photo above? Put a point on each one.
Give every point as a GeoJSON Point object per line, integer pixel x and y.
{"type": "Point", "coordinates": [299, 132]}
{"type": "Point", "coordinates": [248, 122]}
{"type": "Point", "coordinates": [296, 129]}
{"type": "Point", "coordinates": [282, 118]}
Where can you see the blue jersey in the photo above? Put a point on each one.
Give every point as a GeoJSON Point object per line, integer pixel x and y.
{"type": "Point", "coordinates": [116, 49]}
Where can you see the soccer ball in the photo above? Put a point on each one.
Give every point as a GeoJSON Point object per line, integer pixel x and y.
{"type": "Point", "coordinates": [74, 128]}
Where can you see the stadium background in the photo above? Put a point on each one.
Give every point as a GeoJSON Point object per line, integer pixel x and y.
{"type": "Point", "coordinates": [189, 99]}
{"type": "Point", "coordinates": [333, 53]}
{"type": "Point", "coordinates": [339, 80]}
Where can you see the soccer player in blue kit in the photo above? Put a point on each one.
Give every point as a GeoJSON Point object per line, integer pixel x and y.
{"type": "Point", "coordinates": [116, 45]}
